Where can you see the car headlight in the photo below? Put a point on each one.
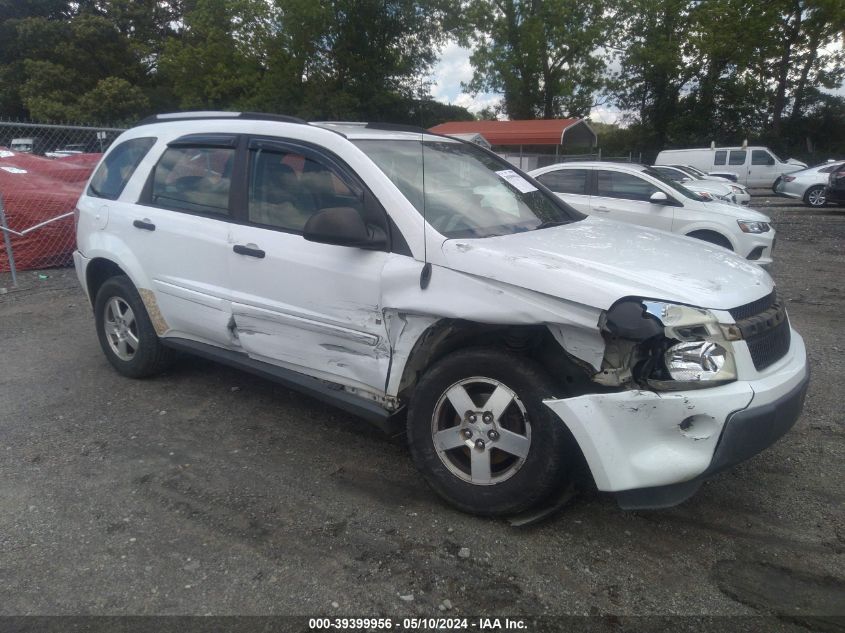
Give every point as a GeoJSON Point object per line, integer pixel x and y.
{"type": "Point", "coordinates": [695, 351]}
{"type": "Point", "coordinates": [736, 189]}
{"type": "Point", "coordinates": [751, 226]}
{"type": "Point", "coordinates": [696, 360]}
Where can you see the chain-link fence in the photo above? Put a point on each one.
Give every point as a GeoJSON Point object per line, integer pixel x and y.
{"type": "Point", "coordinates": [43, 169]}
{"type": "Point", "coordinates": [528, 161]}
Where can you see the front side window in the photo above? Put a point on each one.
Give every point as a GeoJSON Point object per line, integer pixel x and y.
{"type": "Point", "coordinates": [761, 157]}
{"type": "Point", "coordinates": [287, 188]}
{"type": "Point", "coordinates": [737, 157]}
{"type": "Point", "coordinates": [194, 179]}
{"type": "Point", "coordinates": [566, 180]}
{"type": "Point", "coordinates": [616, 184]}
{"type": "Point", "coordinates": [464, 191]}
{"type": "Point", "coordinates": [719, 157]}
{"type": "Point", "coordinates": [117, 168]}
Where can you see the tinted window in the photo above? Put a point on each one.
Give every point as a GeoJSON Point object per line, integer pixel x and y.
{"type": "Point", "coordinates": [286, 189]}
{"type": "Point", "coordinates": [117, 168]}
{"type": "Point", "coordinates": [761, 157]}
{"type": "Point", "coordinates": [194, 179]}
{"type": "Point", "coordinates": [719, 157]}
{"type": "Point", "coordinates": [615, 184]}
{"type": "Point", "coordinates": [566, 180]}
{"type": "Point", "coordinates": [737, 157]}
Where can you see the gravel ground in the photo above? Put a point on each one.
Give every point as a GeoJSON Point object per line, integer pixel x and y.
{"type": "Point", "coordinates": [209, 491]}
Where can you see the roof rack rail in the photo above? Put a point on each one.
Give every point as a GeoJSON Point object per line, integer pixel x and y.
{"type": "Point", "coordinates": [399, 127]}
{"type": "Point", "coordinates": [200, 115]}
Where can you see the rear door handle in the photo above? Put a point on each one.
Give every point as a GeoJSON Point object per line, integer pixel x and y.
{"type": "Point", "coordinates": [249, 251]}
{"type": "Point", "coordinates": [144, 224]}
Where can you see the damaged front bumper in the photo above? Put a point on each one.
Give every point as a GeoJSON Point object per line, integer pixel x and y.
{"type": "Point", "coordinates": [654, 449]}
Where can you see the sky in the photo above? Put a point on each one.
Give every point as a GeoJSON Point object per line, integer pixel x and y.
{"type": "Point", "coordinates": [454, 67]}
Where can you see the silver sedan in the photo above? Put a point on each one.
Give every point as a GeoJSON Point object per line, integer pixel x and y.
{"type": "Point", "coordinates": [808, 184]}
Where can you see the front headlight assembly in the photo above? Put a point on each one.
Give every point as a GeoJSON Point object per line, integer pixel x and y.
{"type": "Point", "coordinates": [695, 351]}
{"type": "Point", "coordinates": [752, 226]}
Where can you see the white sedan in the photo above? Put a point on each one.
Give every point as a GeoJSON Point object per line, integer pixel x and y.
{"type": "Point", "coordinates": [702, 184]}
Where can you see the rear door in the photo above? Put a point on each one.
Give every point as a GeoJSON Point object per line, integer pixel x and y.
{"type": "Point", "coordinates": [179, 232]}
{"type": "Point", "coordinates": [315, 308]}
{"type": "Point", "coordinates": [625, 197]}
{"type": "Point", "coordinates": [570, 185]}
{"type": "Point", "coordinates": [738, 162]}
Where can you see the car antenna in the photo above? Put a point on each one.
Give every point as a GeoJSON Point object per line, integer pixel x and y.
{"type": "Point", "coordinates": [425, 273]}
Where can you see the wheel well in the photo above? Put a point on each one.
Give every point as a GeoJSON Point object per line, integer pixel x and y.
{"type": "Point", "coordinates": [712, 237]}
{"type": "Point", "coordinates": [99, 270]}
{"type": "Point", "coordinates": [532, 341]}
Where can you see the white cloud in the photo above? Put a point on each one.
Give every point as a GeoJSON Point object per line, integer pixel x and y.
{"type": "Point", "coordinates": [452, 69]}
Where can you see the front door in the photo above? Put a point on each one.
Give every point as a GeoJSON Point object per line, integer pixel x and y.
{"type": "Point", "coordinates": [315, 308]}
{"type": "Point", "coordinates": [761, 171]}
{"type": "Point", "coordinates": [625, 197]}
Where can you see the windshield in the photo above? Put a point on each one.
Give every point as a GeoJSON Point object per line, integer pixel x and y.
{"type": "Point", "coordinates": [464, 191]}
{"type": "Point", "coordinates": [675, 185]}
{"type": "Point", "coordinates": [692, 171]}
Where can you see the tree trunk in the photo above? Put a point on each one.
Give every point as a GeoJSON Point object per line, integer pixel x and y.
{"type": "Point", "coordinates": [783, 70]}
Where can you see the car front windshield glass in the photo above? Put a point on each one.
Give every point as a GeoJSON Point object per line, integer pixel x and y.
{"type": "Point", "coordinates": [464, 191]}
{"type": "Point", "coordinates": [674, 185]}
{"type": "Point", "coordinates": [692, 171]}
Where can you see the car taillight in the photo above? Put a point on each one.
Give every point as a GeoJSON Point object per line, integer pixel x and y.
{"type": "Point", "coordinates": [788, 178]}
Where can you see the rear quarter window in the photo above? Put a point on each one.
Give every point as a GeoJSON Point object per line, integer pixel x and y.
{"type": "Point", "coordinates": [720, 157]}
{"type": "Point", "coordinates": [737, 157]}
{"type": "Point", "coordinates": [117, 168]}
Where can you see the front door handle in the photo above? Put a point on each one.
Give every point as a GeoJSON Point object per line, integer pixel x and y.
{"type": "Point", "coordinates": [144, 224]}
{"type": "Point", "coordinates": [603, 209]}
{"type": "Point", "coordinates": [249, 250]}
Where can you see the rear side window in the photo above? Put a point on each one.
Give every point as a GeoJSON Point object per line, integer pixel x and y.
{"type": "Point", "coordinates": [761, 157]}
{"type": "Point", "coordinates": [671, 174]}
{"type": "Point", "coordinates": [117, 168]}
{"type": "Point", "coordinates": [615, 184]}
{"type": "Point", "coordinates": [737, 157]}
{"type": "Point", "coordinates": [194, 179]}
{"type": "Point", "coordinates": [566, 180]}
{"type": "Point", "coordinates": [719, 157]}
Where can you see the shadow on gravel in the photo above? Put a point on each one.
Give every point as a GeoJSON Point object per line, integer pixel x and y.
{"type": "Point", "coordinates": [809, 600]}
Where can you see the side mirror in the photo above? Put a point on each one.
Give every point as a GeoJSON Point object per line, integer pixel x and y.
{"type": "Point", "coordinates": [658, 197]}
{"type": "Point", "coordinates": [343, 226]}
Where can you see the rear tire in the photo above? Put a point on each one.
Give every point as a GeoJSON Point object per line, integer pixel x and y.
{"type": "Point", "coordinates": [814, 196]}
{"type": "Point", "coordinates": [507, 451]}
{"type": "Point", "coordinates": [126, 334]}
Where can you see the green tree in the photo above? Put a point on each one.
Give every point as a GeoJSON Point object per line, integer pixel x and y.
{"type": "Point", "coordinates": [542, 55]}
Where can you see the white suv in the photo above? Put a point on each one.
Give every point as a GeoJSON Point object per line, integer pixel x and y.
{"type": "Point", "coordinates": [411, 277]}
{"type": "Point", "coordinates": [641, 195]}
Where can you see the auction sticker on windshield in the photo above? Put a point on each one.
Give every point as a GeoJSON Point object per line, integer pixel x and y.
{"type": "Point", "coordinates": [522, 185]}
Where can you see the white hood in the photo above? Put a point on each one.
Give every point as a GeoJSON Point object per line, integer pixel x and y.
{"type": "Point", "coordinates": [595, 262]}
{"type": "Point", "coordinates": [731, 210]}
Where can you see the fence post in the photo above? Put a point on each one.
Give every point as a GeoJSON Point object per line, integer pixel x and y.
{"type": "Point", "coordinates": [4, 227]}
{"type": "Point", "coordinates": [599, 153]}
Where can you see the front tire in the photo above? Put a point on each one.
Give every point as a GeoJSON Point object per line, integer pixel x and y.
{"type": "Point", "coordinates": [814, 196]}
{"type": "Point", "coordinates": [126, 334]}
{"type": "Point", "coordinates": [482, 437]}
